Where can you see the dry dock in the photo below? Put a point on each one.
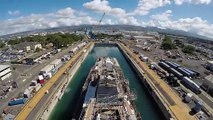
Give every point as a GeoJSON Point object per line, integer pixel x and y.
{"type": "Point", "coordinates": [169, 102]}
{"type": "Point", "coordinates": [28, 108]}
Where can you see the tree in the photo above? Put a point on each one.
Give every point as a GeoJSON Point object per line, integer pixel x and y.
{"type": "Point", "coordinates": [189, 49]}
{"type": "Point", "coordinates": [167, 44]}
{"type": "Point", "coordinates": [14, 42]}
{"type": "Point", "coordinates": [58, 39]}
{"type": "Point", "coordinates": [2, 44]}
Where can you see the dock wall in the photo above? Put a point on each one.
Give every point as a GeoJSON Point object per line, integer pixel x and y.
{"type": "Point", "coordinates": [149, 85]}
{"type": "Point", "coordinates": [45, 112]}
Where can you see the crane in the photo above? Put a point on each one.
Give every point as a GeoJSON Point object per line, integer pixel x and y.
{"type": "Point", "coordinates": [101, 19]}
{"type": "Point", "coordinates": [91, 34]}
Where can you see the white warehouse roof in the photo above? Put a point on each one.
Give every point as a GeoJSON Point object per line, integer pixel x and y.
{"type": "Point", "coordinates": [2, 67]}
{"type": "Point", "coordinates": [209, 78]}
{"type": "Point", "coordinates": [211, 62]}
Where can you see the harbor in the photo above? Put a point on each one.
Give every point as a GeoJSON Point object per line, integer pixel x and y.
{"type": "Point", "coordinates": [144, 102]}
{"type": "Point", "coordinates": [137, 92]}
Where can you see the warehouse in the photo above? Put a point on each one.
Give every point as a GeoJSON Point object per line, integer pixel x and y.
{"type": "Point", "coordinates": [28, 46]}
{"type": "Point", "coordinates": [5, 72]}
{"type": "Point", "coordinates": [210, 65]}
{"type": "Point", "coordinates": [208, 84]}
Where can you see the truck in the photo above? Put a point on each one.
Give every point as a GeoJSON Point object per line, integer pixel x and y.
{"type": "Point", "coordinates": [47, 69]}
{"type": "Point", "coordinates": [16, 101]}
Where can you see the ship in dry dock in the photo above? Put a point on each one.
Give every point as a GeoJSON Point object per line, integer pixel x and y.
{"type": "Point", "coordinates": [106, 94]}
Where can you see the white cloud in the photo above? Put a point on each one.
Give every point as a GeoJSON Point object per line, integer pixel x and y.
{"type": "Point", "coordinates": [16, 12]}
{"type": "Point", "coordinates": [144, 6]}
{"type": "Point", "coordinates": [63, 17]}
{"type": "Point", "coordinates": [180, 2]}
{"type": "Point", "coordinates": [69, 16]}
{"type": "Point", "coordinates": [67, 12]}
{"type": "Point", "coordinates": [102, 6]}
{"type": "Point", "coordinates": [195, 25]}
{"type": "Point", "coordinates": [163, 17]}
{"type": "Point", "coordinates": [98, 5]}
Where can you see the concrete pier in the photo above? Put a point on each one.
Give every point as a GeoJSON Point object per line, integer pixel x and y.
{"type": "Point", "coordinates": [169, 102]}
{"type": "Point", "coordinates": [34, 108]}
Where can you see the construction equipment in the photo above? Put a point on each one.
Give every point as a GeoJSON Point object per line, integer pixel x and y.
{"type": "Point", "coordinates": [90, 32]}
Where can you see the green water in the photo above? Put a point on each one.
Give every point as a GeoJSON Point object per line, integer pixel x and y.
{"type": "Point", "coordinates": [144, 103]}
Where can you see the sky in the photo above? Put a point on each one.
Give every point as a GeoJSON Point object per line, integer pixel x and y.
{"type": "Point", "coordinates": [194, 16]}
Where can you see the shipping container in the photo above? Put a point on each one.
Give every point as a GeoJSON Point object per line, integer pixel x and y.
{"type": "Point", "coordinates": [30, 88]}
{"type": "Point", "coordinates": [27, 93]}
{"type": "Point", "coordinates": [56, 62]}
{"type": "Point", "coordinates": [42, 81]}
{"type": "Point", "coordinates": [73, 50]}
{"type": "Point", "coordinates": [37, 87]}
{"type": "Point", "coordinates": [54, 70]}
{"type": "Point", "coordinates": [17, 101]}
{"type": "Point", "coordinates": [40, 77]}
{"type": "Point", "coordinates": [46, 69]}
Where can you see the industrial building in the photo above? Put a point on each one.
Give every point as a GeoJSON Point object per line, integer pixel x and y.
{"type": "Point", "coordinates": [5, 72]}
{"type": "Point", "coordinates": [210, 65]}
{"type": "Point", "coordinates": [28, 46]}
{"type": "Point", "coordinates": [208, 84]}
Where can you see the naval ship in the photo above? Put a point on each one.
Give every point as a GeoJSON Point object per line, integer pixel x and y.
{"type": "Point", "coordinates": [106, 94]}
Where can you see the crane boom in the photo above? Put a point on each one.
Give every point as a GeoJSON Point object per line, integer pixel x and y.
{"type": "Point", "coordinates": [101, 19]}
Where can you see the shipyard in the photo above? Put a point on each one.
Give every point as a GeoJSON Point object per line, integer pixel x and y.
{"type": "Point", "coordinates": [106, 60]}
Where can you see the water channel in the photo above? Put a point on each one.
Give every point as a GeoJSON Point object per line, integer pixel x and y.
{"type": "Point", "coordinates": [145, 104]}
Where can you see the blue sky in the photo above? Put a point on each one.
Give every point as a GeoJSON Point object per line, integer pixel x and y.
{"type": "Point", "coordinates": [188, 15]}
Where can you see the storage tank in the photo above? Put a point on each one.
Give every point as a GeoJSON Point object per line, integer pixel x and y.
{"type": "Point", "coordinates": [17, 101]}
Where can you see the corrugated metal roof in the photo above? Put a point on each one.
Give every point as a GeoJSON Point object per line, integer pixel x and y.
{"type": "Point", "coordinates": [2, 67]}
{"type": "Point", "coordinates": [211, 62]}
{"type": "Point", "coordinates": [209, 78]}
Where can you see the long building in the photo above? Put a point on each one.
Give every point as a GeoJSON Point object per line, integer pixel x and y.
{"type": "Point", "coordinates": [5, 72]}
